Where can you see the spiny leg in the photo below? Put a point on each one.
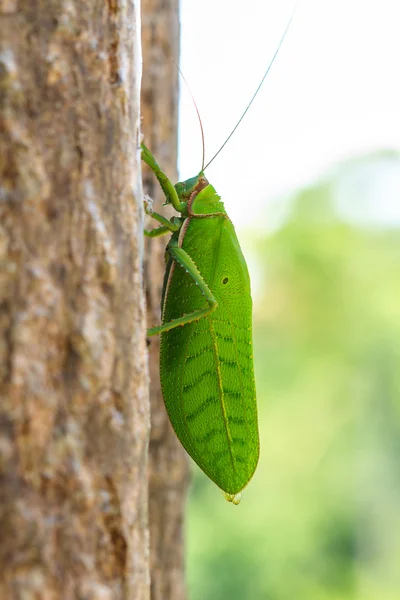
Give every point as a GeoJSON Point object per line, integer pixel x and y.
{"type": "Point", "coordinates": [183, 258]}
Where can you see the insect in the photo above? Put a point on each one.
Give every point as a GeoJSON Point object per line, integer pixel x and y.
{"type": "Point", "coordinates": [206, 356]}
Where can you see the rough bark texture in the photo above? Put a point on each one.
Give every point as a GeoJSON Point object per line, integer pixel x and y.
{"type": "Point", "coordinates": [168, 460]}
{"type": "Point", "coordinates": [74, 407]}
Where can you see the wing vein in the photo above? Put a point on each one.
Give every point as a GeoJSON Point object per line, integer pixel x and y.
{"type": "Point", "coordinates": [221, 393]}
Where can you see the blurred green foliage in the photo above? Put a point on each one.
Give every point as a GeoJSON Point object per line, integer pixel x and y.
{"type": "Point", "coordinates": [321, 518]}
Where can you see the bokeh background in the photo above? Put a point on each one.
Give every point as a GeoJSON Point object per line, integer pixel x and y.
{"type": "Point", "coordinates": [312, 182]}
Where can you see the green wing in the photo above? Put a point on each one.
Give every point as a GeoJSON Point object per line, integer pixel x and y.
{"type": "Point", "coordinates": [207, 371]}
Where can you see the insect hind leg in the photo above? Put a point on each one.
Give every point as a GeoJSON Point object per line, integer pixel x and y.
{"type": "Point", "coordinates": [183, 259]}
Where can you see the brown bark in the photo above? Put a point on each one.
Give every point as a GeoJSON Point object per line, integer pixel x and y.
{"type": "Point", "coordinates": [168, 461]}
{"type": "Point", "coordinates": [73, 380]}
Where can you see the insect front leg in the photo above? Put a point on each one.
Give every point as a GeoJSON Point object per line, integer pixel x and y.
{"type": "Point", "coordinates": [166, 184]}
{"type": "Point", "coordinates": [167, 226]}
{"type": "Point", "coordinates": [183, 259]}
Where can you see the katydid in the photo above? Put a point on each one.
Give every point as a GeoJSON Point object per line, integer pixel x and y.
{"type": "Point", "coordinates": [206, 356]}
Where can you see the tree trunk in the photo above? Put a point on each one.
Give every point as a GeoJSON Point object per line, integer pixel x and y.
{"type": "Point", "coordinates": [168, 460]}
{"type": "Point", "coordinates": [73, 380]}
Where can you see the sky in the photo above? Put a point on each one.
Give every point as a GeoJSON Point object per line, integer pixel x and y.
{"type": "Point", "coordinates": [332, 94]}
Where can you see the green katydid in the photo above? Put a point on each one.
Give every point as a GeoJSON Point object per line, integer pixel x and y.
{"type": "Point", "coordinates": [206, 356]}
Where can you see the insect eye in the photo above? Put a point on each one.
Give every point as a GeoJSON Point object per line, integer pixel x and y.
{"type": "Point", "coordinates": [225, 280]}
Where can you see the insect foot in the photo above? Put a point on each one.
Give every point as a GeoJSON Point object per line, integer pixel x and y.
{"type": "Point", "coordinates": [148, 204]}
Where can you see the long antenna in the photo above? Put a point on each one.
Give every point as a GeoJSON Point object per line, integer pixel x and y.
{"type": "Point", "coordinates": [257, 90]}
{"type": "Point", "coordinates": [197, 111]}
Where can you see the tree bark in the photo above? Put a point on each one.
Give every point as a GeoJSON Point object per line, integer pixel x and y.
{"type": "Point", "coordinates": [168, 460]}
{"type": "Point", "coordinates": [73, 368]}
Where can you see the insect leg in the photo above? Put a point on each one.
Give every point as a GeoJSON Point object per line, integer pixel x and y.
{"type": "Point", "coordinates": [166, 184]}
{"type": "Point", "coordinates": [168, 226]}
{"type": "Point", "coordinates": [172, 225]}
{"type": "Point", "coordinates": [183, 258]}
{"type": "Point", "coordinates": [158, 232]}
